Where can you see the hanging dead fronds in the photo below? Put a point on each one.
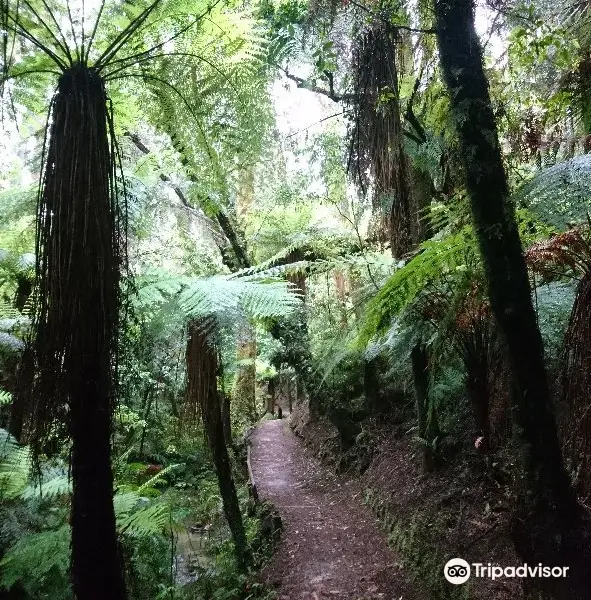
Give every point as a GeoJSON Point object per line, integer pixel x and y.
{"type": "Point", "coordinates": [460, 313]}
{"type": "Point", "coordinates": [80, 251]}
{"type": "Point", "coordinates": [377, 161]}
{"type": "Point", "coordinates": [203, 368]}
{"type": "Point", "coordinates": [569, 255]}
{"type": "Point", "coordinates": [566, 254]}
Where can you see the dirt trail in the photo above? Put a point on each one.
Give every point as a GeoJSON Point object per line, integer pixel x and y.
{"type": "Point", "coordinates": [331, 545]}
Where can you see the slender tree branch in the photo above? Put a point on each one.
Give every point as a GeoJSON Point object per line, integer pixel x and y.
{"type": "Point", "coordinates": [338, 114]}
{"type": "Point", "coordinates": [243, 262]}
{"type": "Point", "coordinates": [329, 93]}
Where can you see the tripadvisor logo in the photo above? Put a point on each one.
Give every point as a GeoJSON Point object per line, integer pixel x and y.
{"type": "Point", "coordinates": [457, 571]}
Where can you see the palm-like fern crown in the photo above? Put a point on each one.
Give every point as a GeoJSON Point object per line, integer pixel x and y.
{"type": "Point", "coordinates": [196, 66]}
{"type": "Point", "coordinates": [222, 302]}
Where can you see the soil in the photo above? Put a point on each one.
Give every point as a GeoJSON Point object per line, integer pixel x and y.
{"type": "Point", "coordinates": [331, 545]}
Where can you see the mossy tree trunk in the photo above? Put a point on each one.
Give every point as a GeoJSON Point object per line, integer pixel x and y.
{"type": "Point", "coordinates": [376, 144]}
{"type": "Point", "coordinates": [548, 529]}
{"type": "Point", "coordinates": [245, 384]}
{"type": "Point", "coordinates": [500, 246]}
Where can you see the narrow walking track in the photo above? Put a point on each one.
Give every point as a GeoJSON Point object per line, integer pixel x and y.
{"type": "Point", "coordinates": [331, 546]}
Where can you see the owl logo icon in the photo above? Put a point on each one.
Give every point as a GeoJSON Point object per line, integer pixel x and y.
{"type": "Point", "coordinates": [457, 571]}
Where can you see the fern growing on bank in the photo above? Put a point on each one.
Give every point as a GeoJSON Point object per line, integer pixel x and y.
{"type": "Point", "coordinates": [14, 466]}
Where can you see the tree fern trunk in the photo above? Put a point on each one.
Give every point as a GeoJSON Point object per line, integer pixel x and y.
{"type": "Point", "coordinates": [94, 541]}
{"type": "Point", "coordinates": [202, 369]}
{"type": "Point", "coordinates": [77, 317]}
{"type": "Point", "coordinates": [420, 369]}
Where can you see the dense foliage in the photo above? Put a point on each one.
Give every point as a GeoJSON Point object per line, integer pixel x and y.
{"type": "Point", "coordinates": [269, 204]}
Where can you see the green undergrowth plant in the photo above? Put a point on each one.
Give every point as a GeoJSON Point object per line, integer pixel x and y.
{"type": "Point", "coordinates": [35, 542]}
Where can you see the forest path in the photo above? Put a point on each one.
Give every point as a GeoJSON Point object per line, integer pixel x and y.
{"type": "Point", "coordinates": [331, 545]}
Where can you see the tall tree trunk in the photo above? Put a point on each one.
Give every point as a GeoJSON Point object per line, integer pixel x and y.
{"type": "Point", "coordinates": [226, 419]}
{"type": "Point", "coordinates": [500, 246]}
{"type": "Point", "coordinates": [478, 389]}
{"type": "Point", "coordinates": [271, 393]}
{"type": "Point", "coordinates": [146, 408]}
{"type": "Point", "coordinates": [377, 136]}
{"type": "Point", "coordinates": [202, 394]}
{"type": "Point", "coordinates": [294, 335]}
{"type": "Point", "coordinates": [584, 92]}
{"type": "Point", "coordinates": [549, 529]}
{"type": "Point", "coordinates": [94, 542]}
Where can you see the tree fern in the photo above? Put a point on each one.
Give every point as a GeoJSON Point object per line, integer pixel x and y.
{"type": "Point", "coordinates": [560, 195]}
{"type": "Point", "coordinates": [221, 296]}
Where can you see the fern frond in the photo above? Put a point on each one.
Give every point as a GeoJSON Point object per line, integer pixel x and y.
{"type": "Point", "coordinates": [560, 195]}
{"type": "Point", "coordinates": [151, 483]}
{"type": "Point", "coordinates": [55, 487]}
{"type": "Point", "coordinates": [140, 517]}
{"type": "Point", "coordinates": [33, 557]}
{"type": "Point", "coordinates": [148, 520]}
{"type": "Point", "coordinates": [15, 465]}
{"type": "Point", "coordinates": [435, 259]}
{"type": "Point", "coordinates": [224, 296]}
{"type": "Point", "coordinates": [268, 298]}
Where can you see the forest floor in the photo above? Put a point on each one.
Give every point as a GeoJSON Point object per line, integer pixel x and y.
{"type": "Point", "coordinates": [331, 545]}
